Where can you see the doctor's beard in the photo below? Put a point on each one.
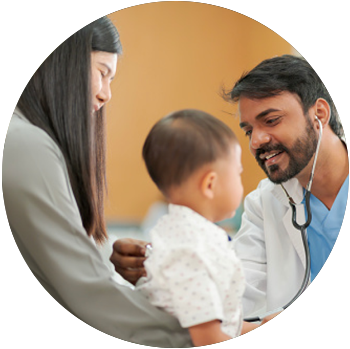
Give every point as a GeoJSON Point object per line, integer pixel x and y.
{"type": "Point", "coordinates": [299, 154]}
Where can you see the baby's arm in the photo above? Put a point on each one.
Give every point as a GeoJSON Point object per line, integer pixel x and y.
{"type": "Point", "coordinates": [207, 333]}
{"type": "Point", "coordinates": [248, 326]}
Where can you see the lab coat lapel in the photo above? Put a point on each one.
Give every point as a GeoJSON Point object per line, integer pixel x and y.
{"type": "Point", "coordinates": [295, 191]}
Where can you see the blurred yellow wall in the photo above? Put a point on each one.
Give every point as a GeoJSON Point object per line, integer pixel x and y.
{"type": "Point", "coordinates": [176, 55]}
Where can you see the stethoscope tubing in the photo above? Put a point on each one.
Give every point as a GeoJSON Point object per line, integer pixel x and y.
{"type": "Point", "coordinates": [302, 229]}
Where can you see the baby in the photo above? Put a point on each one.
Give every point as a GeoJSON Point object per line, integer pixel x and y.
{"type": "Point", "coordinates": [192, 272]}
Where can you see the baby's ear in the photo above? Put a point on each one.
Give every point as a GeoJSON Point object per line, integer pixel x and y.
{"type": "Point", "coordinates": [208, 184]}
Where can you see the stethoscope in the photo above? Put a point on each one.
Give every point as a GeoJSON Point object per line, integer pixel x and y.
{"type": "Point", "coordinates": [302, 229]}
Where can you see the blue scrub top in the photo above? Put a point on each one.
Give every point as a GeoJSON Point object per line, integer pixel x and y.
{"type": "Point", "coordinates": [324, 228]}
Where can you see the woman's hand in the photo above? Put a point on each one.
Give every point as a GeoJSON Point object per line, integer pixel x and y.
{"type": "Point", "coordinates": [128, 257]}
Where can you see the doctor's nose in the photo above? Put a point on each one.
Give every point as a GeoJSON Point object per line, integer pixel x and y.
{"type": "Point", "coordinates": [259, 138]}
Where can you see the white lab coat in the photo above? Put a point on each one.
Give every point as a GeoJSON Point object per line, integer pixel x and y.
{"type": "Point", "coordinates": [270, 248]}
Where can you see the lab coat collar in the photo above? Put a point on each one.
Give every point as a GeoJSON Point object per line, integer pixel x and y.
{"type": "Point", "coordinates": [295, 190]}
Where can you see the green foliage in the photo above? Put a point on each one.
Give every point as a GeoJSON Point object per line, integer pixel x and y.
{"type": "Point", "coordinates": [65, 331]}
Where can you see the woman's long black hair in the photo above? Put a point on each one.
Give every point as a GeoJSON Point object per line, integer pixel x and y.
{"type": "Point", "coordinates": [58, 100]}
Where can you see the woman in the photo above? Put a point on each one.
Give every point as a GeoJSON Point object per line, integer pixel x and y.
{"type": "Point", "coordinates": [53, 183]}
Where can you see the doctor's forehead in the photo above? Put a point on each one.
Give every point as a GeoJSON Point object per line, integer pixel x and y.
{"type": "Point", "coordinates": [250, 109]}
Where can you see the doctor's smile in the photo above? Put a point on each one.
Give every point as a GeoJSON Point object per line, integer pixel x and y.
{"type": "Point", "coordinates": [282, 148]}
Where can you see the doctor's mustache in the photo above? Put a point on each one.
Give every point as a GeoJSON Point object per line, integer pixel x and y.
{"type": "Point", "coordinates": [268, 149]}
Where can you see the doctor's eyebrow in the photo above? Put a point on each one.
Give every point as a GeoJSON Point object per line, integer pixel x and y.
{"type": "Point", "coordinates": [259, 116]}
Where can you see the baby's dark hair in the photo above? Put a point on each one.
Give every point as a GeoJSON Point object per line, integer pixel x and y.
{"type": "Point", "coordinates": [181, 143]}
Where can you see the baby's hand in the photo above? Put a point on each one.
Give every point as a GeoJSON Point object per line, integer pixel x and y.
{"type": "Point", "coordinates": [128, 257]}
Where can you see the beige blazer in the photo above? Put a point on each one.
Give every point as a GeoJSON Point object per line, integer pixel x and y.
{"type": "Point", "coordinates": [46, 224]}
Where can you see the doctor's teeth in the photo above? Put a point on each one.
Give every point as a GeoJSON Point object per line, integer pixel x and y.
{"type": "Point", "coordinates": [270, 156]}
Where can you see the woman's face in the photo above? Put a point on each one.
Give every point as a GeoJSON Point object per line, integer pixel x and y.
{"type": "Point", "coordinates": [103, 68]}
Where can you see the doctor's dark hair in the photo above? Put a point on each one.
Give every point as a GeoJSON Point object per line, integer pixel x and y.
{"type": "Point", "coordinates": [181, 143]}
{"type": "Point", "coordinates": [57, 99]}
{"type": "Point", "coordinates": [285, 73]}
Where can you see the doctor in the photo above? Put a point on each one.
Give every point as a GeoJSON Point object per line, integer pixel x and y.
{"type": "Point", "coordinates": [278, 101]}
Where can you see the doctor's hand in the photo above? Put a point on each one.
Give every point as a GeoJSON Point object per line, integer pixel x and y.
{"type": "Point", "coordinates": [128, 257]}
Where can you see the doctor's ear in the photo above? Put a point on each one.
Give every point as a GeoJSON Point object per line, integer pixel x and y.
{"type": "Point", "coordinates": [322, 111]}
{"type": "Point", "coordinates": [208, 184]}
